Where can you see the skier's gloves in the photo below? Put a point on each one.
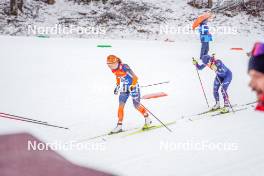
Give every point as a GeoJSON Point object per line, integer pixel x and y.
{"type": "Point", "coordinates": [116, 89]}
{"type": "Point", "coordinates": [213, 67]}
{"type": "Point", "coordinates": [194, 62]}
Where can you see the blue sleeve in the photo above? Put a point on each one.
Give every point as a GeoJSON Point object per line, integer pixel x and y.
{"type": "Point", "coordinates": [127, 69]}
{"type": "Point", "coordinates": [200, 67]}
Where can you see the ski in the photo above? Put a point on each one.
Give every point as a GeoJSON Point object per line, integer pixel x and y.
{"type": "Point", "coordinates": [241, 106]}
{"type": "Point", "coordinates": [136, 131]}
{"type": "Point", "coordinates": [150, 128]}
{"type": "Point", "coordinates": [204, 113]}
{"type": "Point", "coordinates": [20, 117]}
{"type": "Point", "coordinates": [210, 111]}
{"type": "Point", "coordinates": [199, 117]}
{"type": "Point", "coordinates": [34, 122]}
{"type": "Point", "coordinates": [108, 134]}
{"type": "Point", "coordinates": [230, 112]}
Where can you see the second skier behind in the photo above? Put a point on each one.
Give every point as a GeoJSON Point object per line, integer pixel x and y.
{"type": "Point", "coordinates": [223, 78]}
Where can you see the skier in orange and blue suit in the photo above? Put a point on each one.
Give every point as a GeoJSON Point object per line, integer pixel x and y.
{"type": "Point", "coordinates": [126, 85]}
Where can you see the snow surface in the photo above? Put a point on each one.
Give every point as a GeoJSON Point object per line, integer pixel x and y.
{"type": "Point", "coordinates": [66, 82]}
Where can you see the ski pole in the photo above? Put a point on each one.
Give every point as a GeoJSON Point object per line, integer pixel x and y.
{"type": "Point", "coordinates": [30, 121]}
{"type": "Point", "coordinates": [225, 93]}
{"type": "Point", "coordinates": [202, 86]}
{"type": "Point", "coordinates": [154, 116]}
{"type": "Point", "coordinates": [165, 82]}
{"type": "Point", "coordinates": [11, 115]}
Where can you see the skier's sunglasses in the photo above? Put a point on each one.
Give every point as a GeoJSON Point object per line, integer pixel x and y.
{"type": "Point", "coordinates": [112, 65]}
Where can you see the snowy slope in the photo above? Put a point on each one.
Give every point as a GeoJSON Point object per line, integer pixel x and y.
{"type": "Point", "coordinates": [66, 82]}
{"type": "Point", "coordinates": [129, 19]}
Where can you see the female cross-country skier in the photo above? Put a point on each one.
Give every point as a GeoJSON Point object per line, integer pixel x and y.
{"type": "Point", "coordinates": [223, 78]}
{"type": "Point", "coordinates": [127, 85]}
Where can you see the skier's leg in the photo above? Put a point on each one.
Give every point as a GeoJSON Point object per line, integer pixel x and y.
{"type": "Point", "coordinates": [225, 85]}
{"type": "Point", "coordinates": [135, 94]}
{"type": "Point", "coordinates": [203, 47]}
{"type": "Point", "coordinates": [136, 101]}
{"type": "Point", "coordinates": [122, 101]}
{"type": "Point", "coordinates": [216, 94]}
{"type": "Point", "coordinates": [206, 48]}
{"type": "Point", "coordinates": [216, 88]}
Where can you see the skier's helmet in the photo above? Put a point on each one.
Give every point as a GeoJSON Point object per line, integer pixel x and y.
{"type": "Point", "coordinates": [206, 59]}
{"type": "Point", "coordinates": [111, 59]}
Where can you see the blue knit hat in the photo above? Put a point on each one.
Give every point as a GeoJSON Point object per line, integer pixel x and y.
{"type": "Point", "coordinates": [206, 59]}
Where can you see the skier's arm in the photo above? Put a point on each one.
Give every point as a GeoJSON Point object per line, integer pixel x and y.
{"type": "Point", "coordinates": [117, 81]}
{"type": "Point", "coordinates": [200, 67]}
{"type": "Point", "coordinates": [132, 75]}
{"type": "Point", "coordinates": [134, 79]}
{"type": "Point", "coordinates": [116, 90]}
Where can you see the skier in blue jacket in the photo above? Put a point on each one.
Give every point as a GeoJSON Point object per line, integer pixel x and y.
{"type": "Point", "coordinates": [205, 38]}
{"type": "Point", "coordinates": [223, 78]}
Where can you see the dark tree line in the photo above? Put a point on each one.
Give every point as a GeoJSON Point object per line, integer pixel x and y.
{"type": "Point", "coordinates": [16, 6]}
{"type": "Point", "coordinates": [89, 1]}
{"type": "Point", "coordinates": [231, 7]}
{"type": "Point", "coordinates": [201, 3]}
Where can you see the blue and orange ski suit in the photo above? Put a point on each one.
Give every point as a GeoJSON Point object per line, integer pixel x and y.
{"type": "Point", "coordinates": [128, 83]}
